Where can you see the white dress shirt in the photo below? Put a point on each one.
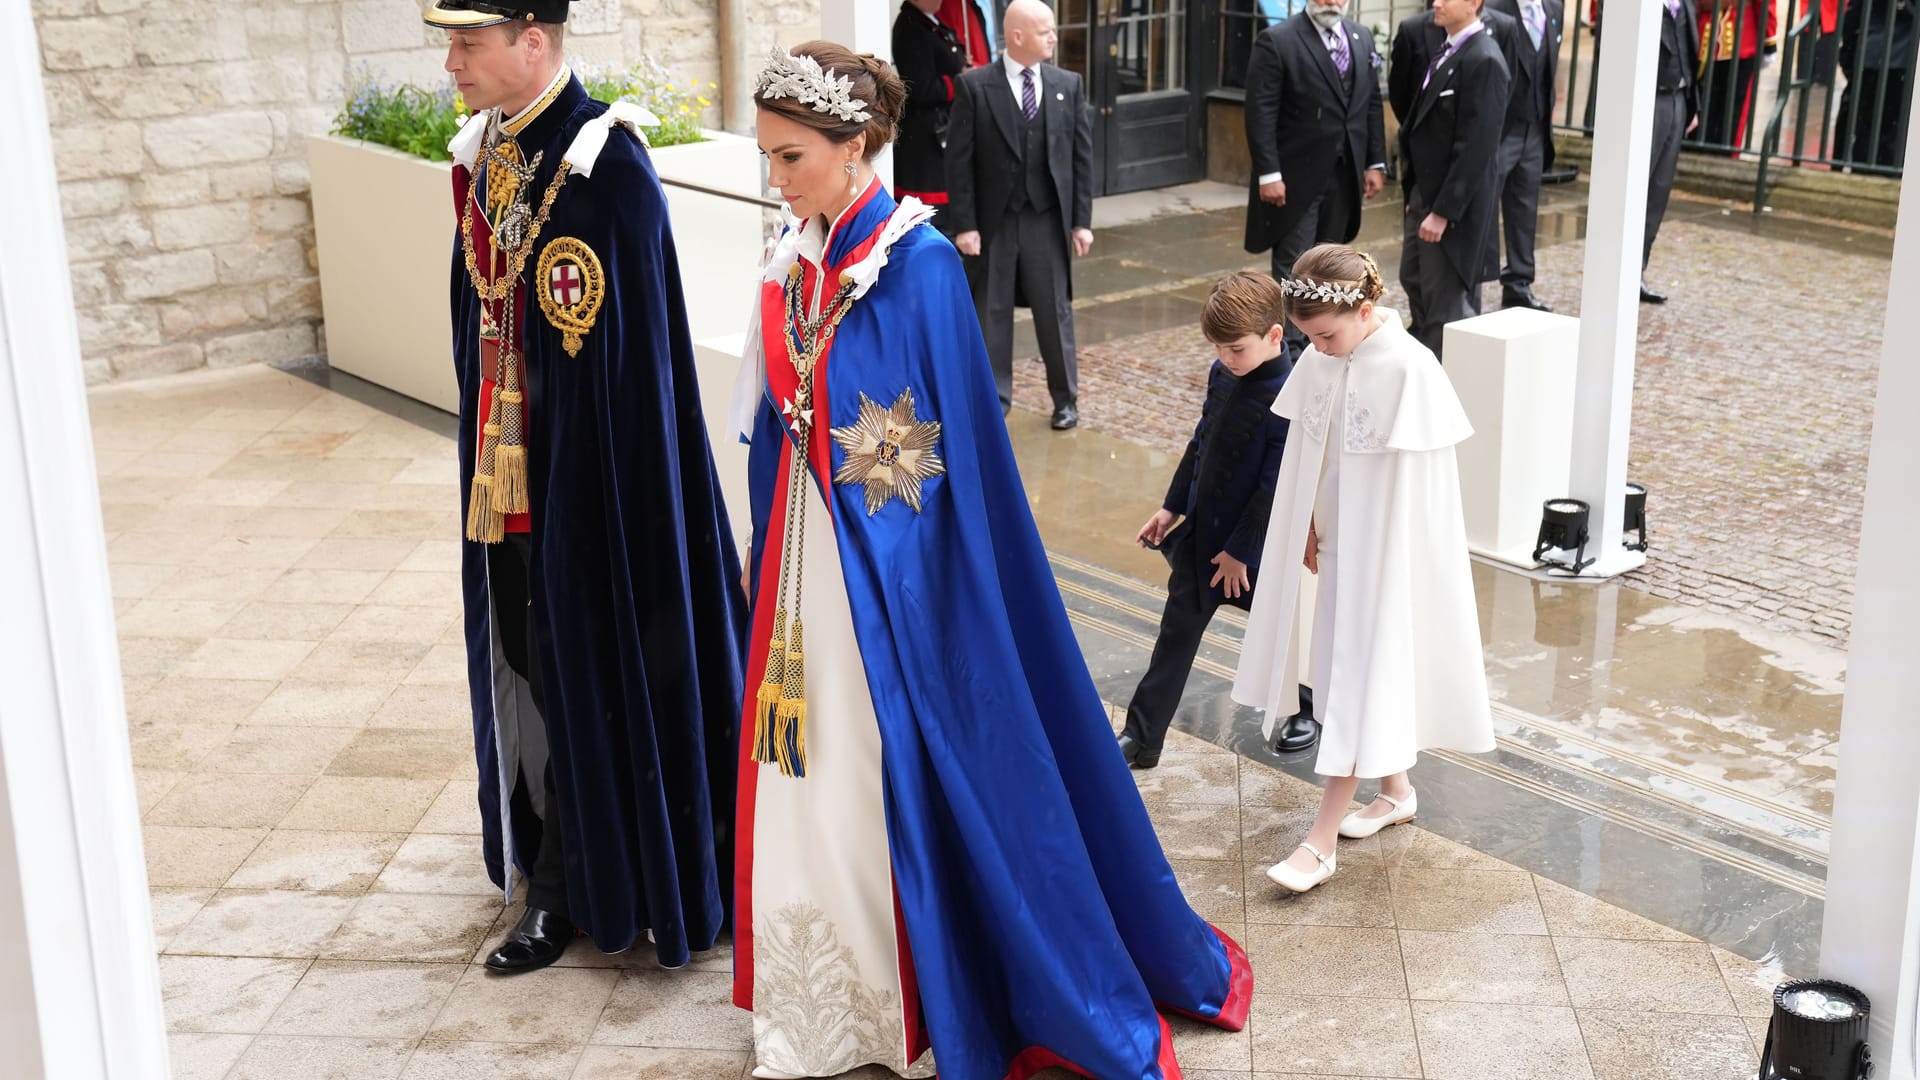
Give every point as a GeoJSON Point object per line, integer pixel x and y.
{"type": "Point", "coordinates": [1014, 68]}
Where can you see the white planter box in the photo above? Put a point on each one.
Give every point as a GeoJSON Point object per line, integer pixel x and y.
{"type": "Point", "coordinates": [384, 223]}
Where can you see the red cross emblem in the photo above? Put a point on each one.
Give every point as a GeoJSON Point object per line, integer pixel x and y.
{"type": "Point", "coordinates": [565, 284]}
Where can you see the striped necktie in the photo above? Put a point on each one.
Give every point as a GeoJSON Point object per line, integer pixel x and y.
{"type": "Point", "coordinates": [1337, 45]}
{"type": "Point", "coordinates": [1029, 101]}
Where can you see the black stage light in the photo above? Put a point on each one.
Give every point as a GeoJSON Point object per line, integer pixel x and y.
{"type": "Point", "coordinates": [1635, 519]}
{"type": "Point", "coordinates": [1818, 1032]}
{"type": "Point", "coordinates": [1563, 527]}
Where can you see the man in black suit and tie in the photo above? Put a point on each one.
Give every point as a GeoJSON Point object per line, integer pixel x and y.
{"type": "Point", "coordinates": [1449, 153]}
{"type": "Point", "coordinates": [1676, 111]}
{"type": "Point", "coordinates": [1316, 133]}
{"type": "Point", "coordinates": [1020, 196]}
{"type": "Point", "coordinates": [1526, 142]}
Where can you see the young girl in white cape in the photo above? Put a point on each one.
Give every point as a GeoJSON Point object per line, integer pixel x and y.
{"type": "Point", "coordinates": [1369, 494]}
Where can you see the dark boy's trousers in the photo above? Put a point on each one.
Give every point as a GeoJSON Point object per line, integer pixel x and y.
{"type": "Point", "coordinates": [1190, 607]}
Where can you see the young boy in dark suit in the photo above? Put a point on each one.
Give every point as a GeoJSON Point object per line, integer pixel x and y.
{"type": "Point", "coordinates": [1221, 496]}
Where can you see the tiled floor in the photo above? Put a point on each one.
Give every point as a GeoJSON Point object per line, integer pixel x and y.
{"type": "Point", "coordinates": [284, 570]}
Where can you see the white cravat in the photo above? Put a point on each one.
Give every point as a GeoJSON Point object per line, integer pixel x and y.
{"type": "Point", "coordinates": [1535, 18]}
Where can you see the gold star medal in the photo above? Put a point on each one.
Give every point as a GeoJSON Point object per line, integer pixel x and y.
{"type": "Point", "coordinates": [889, 451]}
{"type": "Point", "coordinates": [571, 286]}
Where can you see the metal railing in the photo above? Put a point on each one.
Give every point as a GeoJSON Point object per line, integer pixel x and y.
{"type": "Point", "coordinates": [760, 201]}
{"type": "Point", "coordinates": [1863, 49]}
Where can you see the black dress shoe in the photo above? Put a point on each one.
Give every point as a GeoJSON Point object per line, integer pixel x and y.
{"type": "Point", "coordinates": [1522, 297]}
{"type": "Point", "coordinates": [1137, 754]}
{"type": "Point", "coordinates": [535, 941]}
{"type": "Point", "coordinates": [1066, 416]}
{"type": "Point", "coordinates": [1649, 295]}
{"type": "Point", "coordinates": [1299, 732]}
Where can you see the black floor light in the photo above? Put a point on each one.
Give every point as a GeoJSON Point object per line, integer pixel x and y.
{"type": "Point", "coordinates": [1818, 1032]}
{"type": "Point", "coordinates": [1563, 528]}
{"type": "Point", "coordinates": [1635, 518]}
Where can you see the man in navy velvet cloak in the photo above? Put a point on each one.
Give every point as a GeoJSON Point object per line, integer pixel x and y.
{"type": "Point", "coordinates": [604, 621]}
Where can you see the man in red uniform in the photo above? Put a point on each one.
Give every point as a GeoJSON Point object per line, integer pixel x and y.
{"type": "Point", "coordinates": [1733, 36]}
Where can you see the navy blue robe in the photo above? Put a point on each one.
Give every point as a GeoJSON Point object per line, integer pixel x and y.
{"type": "Point", "coordinates": [633, 568]}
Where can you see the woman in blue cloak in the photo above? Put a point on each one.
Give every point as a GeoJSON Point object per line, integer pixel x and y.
{"type": "Point", "coordinates": [941, 855]}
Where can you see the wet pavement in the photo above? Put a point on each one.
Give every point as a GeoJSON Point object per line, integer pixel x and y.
{"type": "Point", "coordinates": [1753, 391]}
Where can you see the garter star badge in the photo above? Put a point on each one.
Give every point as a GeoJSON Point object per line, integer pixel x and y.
{"type": "Point", "coordinates": [571, 288]}
{"type": "Point", "coordinates": [889, 452]}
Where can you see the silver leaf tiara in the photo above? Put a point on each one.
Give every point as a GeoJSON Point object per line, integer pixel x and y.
{"type": "Point", "coordinates": [800, 78]}
{"type": "Point", "coordinates": [1331, 292]}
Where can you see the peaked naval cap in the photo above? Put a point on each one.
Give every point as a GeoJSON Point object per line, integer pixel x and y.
{"type": "Point", "coordinates": [468, 14]}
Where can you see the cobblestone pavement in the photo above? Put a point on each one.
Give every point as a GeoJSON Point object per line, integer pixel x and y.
{"type": "Point", "coordinates": [1752, 400]}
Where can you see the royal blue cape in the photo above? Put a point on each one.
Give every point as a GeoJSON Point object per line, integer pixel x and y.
{"type": "Point", "coordinates": [633, 565]}
{"type": "Point", "coordinates": [1044, 922]}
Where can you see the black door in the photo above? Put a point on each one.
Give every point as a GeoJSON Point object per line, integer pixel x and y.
{"type": "Point", "coordinates": [1137, 57]}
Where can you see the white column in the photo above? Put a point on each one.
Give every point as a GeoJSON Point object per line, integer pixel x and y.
{"type": "Point", "coordinates": [1610, 293]}
{"type": "Point", "coordinates": [865, 26]}
{"type": "Point", "coordinates": [1872, 933]}
{"type": "Point", "coordinates": [79, 988]}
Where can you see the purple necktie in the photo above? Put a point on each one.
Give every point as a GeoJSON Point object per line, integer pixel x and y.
{"type": "Point", "coordinates": [1536, 22]}
{"type": "Point", "coordinates": [1673, 8]}
{"type": "Point", "coordinates": [1337, 45]}
{"type": "Point", "coordinates": [1437, 61]}
{"type": "Point", "coordinates": [1029, 102]}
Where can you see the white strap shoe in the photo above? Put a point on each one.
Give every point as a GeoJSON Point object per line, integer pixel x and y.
{"type": "Point", "coordinates": [1287, 877]}
{"type": "Point", "coordinates": [1356, 827]}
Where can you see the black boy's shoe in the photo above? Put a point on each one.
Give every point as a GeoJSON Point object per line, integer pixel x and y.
{"type": "Point", "coordinates": [1066, 416]}
{"type": "Point", "coordinates": [1299, 732]}
{"type": "Point", "coordinates": [1137, 754]}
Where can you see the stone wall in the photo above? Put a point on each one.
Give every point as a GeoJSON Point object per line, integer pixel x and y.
{"type": "Point", "coordinates": [179, 134]}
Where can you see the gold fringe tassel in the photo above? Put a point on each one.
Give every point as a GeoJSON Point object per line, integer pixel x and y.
{"type": "Point", "coordinates": [790, 717]}
{"type": "Point", "coordinates": [768, 696]}
{"type": "Point", "coordinates": [510, 479]}
{"type": "Point", "coordinates": [485, 525]}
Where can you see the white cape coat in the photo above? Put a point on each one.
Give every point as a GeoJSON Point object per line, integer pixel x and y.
{"type": "Point", "coordinates": [1407, 671]}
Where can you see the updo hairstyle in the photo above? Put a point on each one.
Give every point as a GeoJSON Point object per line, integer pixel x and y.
{"type": "Point", "coordinates": [876, 86]}
{"type": "Point", "coordinates": [1340, 266]}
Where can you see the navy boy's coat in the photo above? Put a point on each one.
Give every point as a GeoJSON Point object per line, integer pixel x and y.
{"type": "Point", "coordinates": [1224, 484]}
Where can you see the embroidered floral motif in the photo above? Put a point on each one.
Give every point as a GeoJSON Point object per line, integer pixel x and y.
{"type": "Point", "coordinates": [1362, 437]}
{"type": "Point", "coordinates": [1318, 410]}
{"type": "Point", "coordinates": [815, 1014]}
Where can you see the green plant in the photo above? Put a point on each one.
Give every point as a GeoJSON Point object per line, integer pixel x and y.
{"type": "Point", "coordinates": [421, 121]}
{"type": "Point", "coordinates": [406, 117]}
{"type": "Point", "coordinates": [647, 84]}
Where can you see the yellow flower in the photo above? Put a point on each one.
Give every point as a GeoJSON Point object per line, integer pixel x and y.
{"type": "Point", "coordinates": [713, 86]}
{"type": "Point", "coordinates": [683, 108]}
{"type": "Point", "coordinates": [704, 102]}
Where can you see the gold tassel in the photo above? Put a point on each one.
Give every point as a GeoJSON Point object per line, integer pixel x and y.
{"type": "Point", "coordinates": [768, 695]}
{"type": "Point", "coordinates": [485, 525]}
{"type": "Point", "coordinates": [790, 718]}
{"type": "Point", "coordinates": [510, 479]}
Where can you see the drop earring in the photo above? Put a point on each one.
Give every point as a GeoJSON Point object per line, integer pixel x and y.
{"type": "Point", "coordinates": [853, 179]}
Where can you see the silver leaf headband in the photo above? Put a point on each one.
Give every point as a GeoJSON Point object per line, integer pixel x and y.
{"type": "Point", "coordinates": [1331, 292]}
{"type": "Point", "coordinates": [800, 78]}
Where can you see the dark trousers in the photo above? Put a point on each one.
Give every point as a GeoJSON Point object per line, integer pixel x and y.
{"type": "Point", "coordinates": [1727, 100]}
{"type": "Point", "coordinates": [1190, 606]}
{"type": "Point", "coordinates": [1523, 154]}
{"type": "Point", "coordinates": [517, 620]}
{"type": "Point", "coordinates": [1324, 222]}
{"type": "Point", "coordinates": [1436, 293]}
{"type": "Point", "coordinates": [1857, 140]}
{"type": "Point", "coordinates": [1669, 127]}
{"type": "Point", "coordinates": [1026, 258]}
